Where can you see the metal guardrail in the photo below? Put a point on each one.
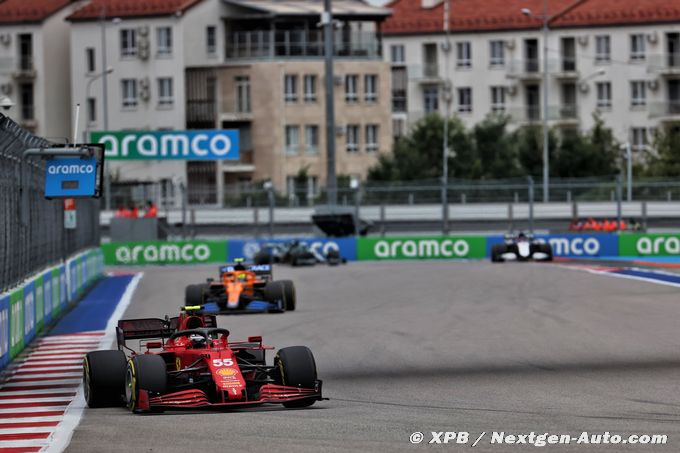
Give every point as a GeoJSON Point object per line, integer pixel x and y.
{"type": "Point", "coordinates": [25, 250]}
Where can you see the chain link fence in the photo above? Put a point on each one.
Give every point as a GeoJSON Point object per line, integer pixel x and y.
{"type": "Point", "coordinates": [25, 250]}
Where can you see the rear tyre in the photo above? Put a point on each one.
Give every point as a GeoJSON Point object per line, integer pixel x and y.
{"type": "Point", "coordinates": [194, 294]}
{"type": "Point", "coordinates": [333, 257]}
{"type": "Point", "coordinates": [497, 251]}
{"type": "Point", "coordinates": [104, 378]}
{"type": "Point", "coordinates": [275, 292]}
{"type": "Point", "coordinates": [547, 250]}
{"type": "Point", "coordinates": [296, 367]}
{"type": "Point", "coordinates": [290, 297]}
{"type": "Point", "coordinates": [144, 372]}
{"type": "Point", "coordinates": [261, 257]}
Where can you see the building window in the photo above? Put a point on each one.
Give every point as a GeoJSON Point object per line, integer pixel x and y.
{"type": "Point", "coordinates": [463, 54]}
{"type": "Point", "coordinates": [602, 49]}
{"type": "Point", "coordinates": [637, 47]}
{"type": "Point", "coordinates": [498, 99]}
{"type": "Point", "coordinates": [638, 93]}
{"type": "Point", "coordinates": [128, 42]}
{"type": "Point", "coordinates": [397, 54]}
{"type": "Point", "coordinates": [90, 60]}
{"type": "Point", "coordinates": [242, 94]}
{"type": "Point", "coordinates": [465, 100]}
{"type": "Point", "coordinates": [165, 94]}
{"type": "Point", "coordinates": [310, 88]}
{"type": "Point", "coordinates": [352, 138]}
{"type": "Point", "coordinates": [371, 138]}
{"type": "Point", "coordinates": [130, 100]}
{"type": "Point", "coordinates": [211, 39]}
{"type": "Point", "coordinates": [399, 88]}
{"type": "Point", "coordinates": [91, 110]}
{"type": "Point", "coordinates": [497, 52]}
{"type": "Point", "coordinates": [290, 88]}
{"type": "Point", "coordinates": [604, 95]}
{"type": "Point", "coordinates": [164, 41]}
{"type": "Point", "coordinates": [639, 140]}
{"type": "Point", "coordinates": [398, 127]}
{"type": "Point", "coordinates": [371, 88]}
{"type": "Point", "coordinates": [292, 139]}
{"type": "Point", "coordinates": [312, 139]}
{"type": "Point", "coordinates": [431, 98]}
{"type": "Point", "coordinates": [26, 96]}
{"type": "Point", "coordinates": [351, 82]}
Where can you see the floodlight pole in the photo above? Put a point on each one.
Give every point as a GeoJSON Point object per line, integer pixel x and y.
{"type": "Point", "coordinates": [331, 181]}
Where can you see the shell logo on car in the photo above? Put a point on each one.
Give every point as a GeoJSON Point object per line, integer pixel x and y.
{"type": "Point", "coordinates": [226, 372]}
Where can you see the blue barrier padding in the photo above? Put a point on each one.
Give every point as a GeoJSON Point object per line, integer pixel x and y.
{"type": "Point", "coordinates": [94, 311]}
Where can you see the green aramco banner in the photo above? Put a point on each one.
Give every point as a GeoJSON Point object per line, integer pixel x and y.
{"type": "Point", "coordinates": [170, 145]}
{"type": "Point", "coordinates": [405, 248]}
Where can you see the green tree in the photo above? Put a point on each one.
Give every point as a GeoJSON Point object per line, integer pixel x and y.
{"type": "Point", "coordinates": [579, 155]}
{"type": "Point", "coordinates": [529, 143]}
{"type": "Point", "coordinates": [665, 162]}
{"type": "Point", "coordinates": [418, 155]}
{"type": "Point", "coordinates": [497, 155]}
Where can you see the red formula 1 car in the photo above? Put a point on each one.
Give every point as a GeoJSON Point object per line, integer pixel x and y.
{"type": "Point", "coordinates": [190, 362]}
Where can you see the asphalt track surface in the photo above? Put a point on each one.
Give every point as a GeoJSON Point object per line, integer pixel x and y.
{"type": "Point", "coordinates": [436, 346]}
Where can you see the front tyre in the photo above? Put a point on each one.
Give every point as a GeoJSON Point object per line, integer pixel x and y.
{"type": "Point", "coordinates": [144, 372]}
{"type": "Point", "coordinates": [290, 297]}
{"type": "Point", "coordinates": [104, 378]}
{"type": "Point", "coordinates": [296, 367]}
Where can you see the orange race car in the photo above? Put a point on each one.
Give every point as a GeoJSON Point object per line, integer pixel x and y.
{"type": "Point", "coordinates": [242, 289]}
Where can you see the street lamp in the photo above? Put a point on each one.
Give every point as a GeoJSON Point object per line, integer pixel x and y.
{"type": "Point", "coordinates": [91, 79]}
{"type": "Point", "coordinates": [447, 95]}
{"type": "Point", "coordinates": [546, 145]}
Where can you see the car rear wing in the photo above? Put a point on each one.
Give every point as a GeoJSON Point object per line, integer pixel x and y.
{"type": "Point", "coordinates": [146, 328]}
{"type": "Point", "coordinates": [263, 271]}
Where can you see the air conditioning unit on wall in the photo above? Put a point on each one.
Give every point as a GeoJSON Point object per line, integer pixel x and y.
{"type": "Point", "coordinates": [6, 39]}
{"type": "Point", "coordinates": [6, 88]}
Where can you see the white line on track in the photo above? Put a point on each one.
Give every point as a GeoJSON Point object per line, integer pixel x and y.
{"type": "Point", "coordinates": [74, 412]}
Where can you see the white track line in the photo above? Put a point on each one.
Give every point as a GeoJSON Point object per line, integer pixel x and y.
{"type": "Point", "coordinates": [74, 412]}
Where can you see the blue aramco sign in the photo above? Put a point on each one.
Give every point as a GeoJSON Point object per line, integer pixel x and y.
{"type": "Point", "coordinates": [71, 177]}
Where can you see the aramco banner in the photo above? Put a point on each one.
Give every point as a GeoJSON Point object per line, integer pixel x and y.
{"type": "Point", "coordinates": [169, 145]}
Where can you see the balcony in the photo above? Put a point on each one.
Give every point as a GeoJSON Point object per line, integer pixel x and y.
{"type": "Point", "coordinates": [232, 110]}
{"type": "Point", "coordinates": [265, 45]}
{"type": "Point", "coordinates": [245, 164]}
{"type": "Point", "coordinates": [530, 70]}
{"type": "Point", "coordinates": [664, 64]}
{"type": "Point", "coordinates": [201, 113]}
{"type": "Point", "coordinates": [559, 115]}
{"type": "Point", "coordinates": [23, 68]}
{"type": "Point", "coordinates": [527, 70]}
{"type": "Point", "coordinates": [427, 73]}
{"type": "Point", "coordinates": [668, 111]}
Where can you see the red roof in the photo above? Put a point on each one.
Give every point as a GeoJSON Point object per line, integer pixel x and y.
{"type": "Point", "coordinates": [131, 8]}
{"type": "Point", "coordinates": [22, 11]}
{"type": "Point", "coordinates": [409, 17]}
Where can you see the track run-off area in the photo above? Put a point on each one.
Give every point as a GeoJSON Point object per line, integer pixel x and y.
{"type": "Point", "coordinates": [408, 347]}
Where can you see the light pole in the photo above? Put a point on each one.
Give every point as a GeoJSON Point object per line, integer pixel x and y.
{"type": "Point", "coordinates": [91, 79]}
{"type": "Point", "coordinates": [331, 181]}
{"type": "Point", "coordinates": [546, 144]}
{"type": "Point", "coordinates": [447, 96]}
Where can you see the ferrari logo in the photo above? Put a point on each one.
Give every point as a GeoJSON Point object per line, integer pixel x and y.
{"type": "Point", "coordinates": [178, 364]}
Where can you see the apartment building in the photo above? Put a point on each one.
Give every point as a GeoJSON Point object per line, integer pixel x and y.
{"type": "Point", "coordinates": [251, 65]}
{"type": "Point", "coordinates": [34, 52]}
{"type": "Point", "coordinates": [620, 60]}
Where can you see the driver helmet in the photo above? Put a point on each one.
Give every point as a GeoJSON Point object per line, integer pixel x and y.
{"type": "Point", "coordinates": [238, 266]}
{"type": "Point", "coordinates": [241, 277]}
{"type": "Point", "coordinates": [196, 339]}
{"type": "Point", "coordinates": [521, 236]}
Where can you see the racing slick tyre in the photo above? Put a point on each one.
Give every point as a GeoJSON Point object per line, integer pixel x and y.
{"type": "Point", "coordinates": [274, 292]}
{"type": "Point", "coordinates": [497, 253]}
{"type": "Point", "coordinates": [289, 294]}
{"type": "Point", "coordinates": [261, 257]}
{"type": "Point", "coordinates": [193, 294]}
{"type": "Point", "coordinates": [104, 378]}
{"type": "Point", "coordinates": [296, 368]}
{"type": "Point", "coordinates": [547, 250]}
{"type": "Point", "coordinates": [333, 257]}
{"type": "Point", "coordinates": [144, 372]}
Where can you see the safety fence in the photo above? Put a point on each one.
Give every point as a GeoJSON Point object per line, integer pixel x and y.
{"type": "Point", "coordinates": [44, 240]}
{"type": "Point", "coordinates": [26, 310]}
{"type": "Point", "coordinates": [596, 245]}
